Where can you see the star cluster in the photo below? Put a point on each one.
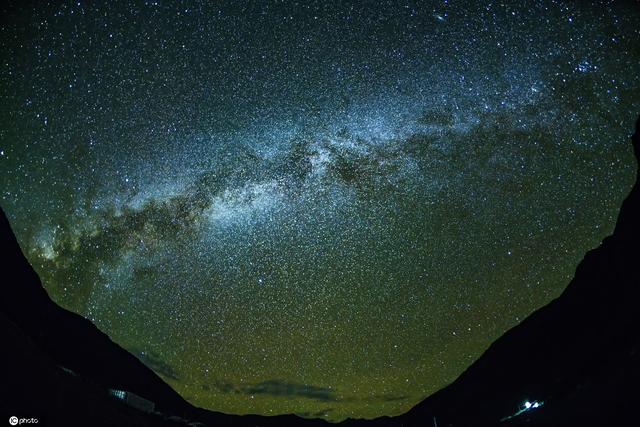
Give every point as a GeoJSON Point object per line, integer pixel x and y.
{"type": "Point", "coordinates": [322, 208]}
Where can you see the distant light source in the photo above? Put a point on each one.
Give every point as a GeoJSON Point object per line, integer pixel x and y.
{"type": "Point", "coordinates": [532, 405]}
{"type": "Point", "coordinates": [120, 394]}
{"type": "Point", "coordinates": [526, 406]}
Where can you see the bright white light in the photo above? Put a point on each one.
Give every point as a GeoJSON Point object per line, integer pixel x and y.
{"type": "Point", "coordinates": [526, 406]}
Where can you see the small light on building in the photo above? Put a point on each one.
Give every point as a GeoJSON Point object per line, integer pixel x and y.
{"type": "Point", "coordinates": [133, 400]}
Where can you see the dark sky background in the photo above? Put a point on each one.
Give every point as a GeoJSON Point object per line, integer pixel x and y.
{"type": "Point", "coordinates": [323, 208]}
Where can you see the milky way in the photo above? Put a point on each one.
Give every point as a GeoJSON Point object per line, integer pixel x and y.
{"type": "Point", "coordinates": [329, 209]}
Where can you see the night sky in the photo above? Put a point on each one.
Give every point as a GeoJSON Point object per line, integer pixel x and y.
{"type": "Point", "coordinates": [322, 208]}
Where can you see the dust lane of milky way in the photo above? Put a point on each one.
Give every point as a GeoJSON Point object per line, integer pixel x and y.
{"type": "Point", "coordinates": [321, 208]}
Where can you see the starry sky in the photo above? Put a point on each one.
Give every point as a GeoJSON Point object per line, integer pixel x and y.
{"type": "Point", "coordinates": [317, 207]}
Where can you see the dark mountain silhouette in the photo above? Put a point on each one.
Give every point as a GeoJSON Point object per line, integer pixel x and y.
{"type": "Point", "coordinates": [576, 361]}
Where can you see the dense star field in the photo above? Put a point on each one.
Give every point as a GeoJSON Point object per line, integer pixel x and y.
{"type": "Point", "coordinates": [322, 208]}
